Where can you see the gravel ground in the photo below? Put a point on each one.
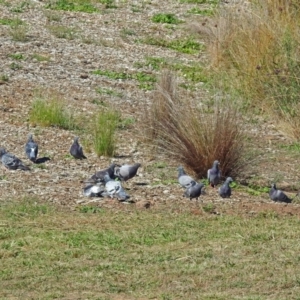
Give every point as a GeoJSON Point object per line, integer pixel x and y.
{"type": "Point", "coordinates": [110, 40]}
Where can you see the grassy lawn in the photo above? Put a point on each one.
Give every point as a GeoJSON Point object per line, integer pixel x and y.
{"type": "Point", "coordinates": [95, 253]}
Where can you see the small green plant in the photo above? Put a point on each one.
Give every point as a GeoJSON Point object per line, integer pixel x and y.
{"type": "Point", "coordinates": [146, 81]}
{"type": "Point", "coordinates": [17, 56]}
{"type": "Point", "coordinates": [51, 111]}
{"type": "Point", "coordinates": [165, 18]}
{"type": "Point", "coordinates": [187, 45]}
{"type": "Point", "coordinates": [109, 92]}
{"type": "Point", "coordinates": [14, 66]}
{"type": "Point", "coordinates": [202, 12]}
{"type": "Point", "coordinates": [62, 32]}
{"type": "Point", "coordinates": [11, 22]}
{"type": "Point", "coordinates": [73, 5]}
{"type": "Point", "coordinates": [39, 166]}
{"type": "Point", "coordinates": [99, 102]}
{"type": "Point", "coordinates": [112, 74]}
{"type": "Point", "coordinates": [4, 78]}
{"type": "Point", "coordinates": [103, 132]}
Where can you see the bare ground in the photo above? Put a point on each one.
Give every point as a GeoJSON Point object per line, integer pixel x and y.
{"type": "Point", "coordinates": [109, 40]}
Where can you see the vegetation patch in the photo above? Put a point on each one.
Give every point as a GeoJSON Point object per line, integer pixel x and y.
{"type": "Point", "coordinates": [146, 81]}
{"type": "Point", "coordinates": [74, 5]}
{"type": "Point", "coordinates": [103, 130]}
{"type": "Point", "coordinates": [196, 134]}
{"type": "Point", "coordinates": [165, 18]}
{"type": "Point", "coordinates": [254, 57]}
{"type": "Point", "coordinates": [62, 32]}
{"type": "Point", "coordinates": [51, 111]}
{"type": "Point", "coordinates": [11, 22]}
{"type": "Point", "coordinates": [187, 45]}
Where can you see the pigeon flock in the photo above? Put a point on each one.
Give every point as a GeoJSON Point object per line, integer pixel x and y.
{"type": "Point", "coordinates": [108, 182]}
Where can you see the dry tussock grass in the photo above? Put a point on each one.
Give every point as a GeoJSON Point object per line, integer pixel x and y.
{"type": "Point", "coordinates": [194, 133]}
{"type": "Point", "coordinates": [253, 49]}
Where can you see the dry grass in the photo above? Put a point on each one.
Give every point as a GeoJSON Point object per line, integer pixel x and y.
{"type": "Point", "coordinates": [253, 48]}
{"type": "Point", "coordinates": [196, 134]}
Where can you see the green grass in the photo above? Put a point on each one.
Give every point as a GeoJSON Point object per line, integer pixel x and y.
{"type": "Point", "coordinates": [97, 253]}
{"type": "Point", "coordinates": [51, 111]}
{"type": "Point", "coordinates": [110, 92]}
{"type": "Point", "coordinates": [11, 22]}
{"type": "Point", "coordinates": [146, 81]}
{"type": "Point", "coordinates": [202, 12]}
{"type": "Point", "coordinates": [201, 1]}
{"type": "Point", "coordinates": [186, 45]}
{"type": "Point", "coordinates": [165, 18]}
{"type": "Point", "coordinates": [17, 56]}
{"type": "Point", "coordinates": [74, 5]}
{"type": "Point", "coordinates": [40, 57]}
{"type": "Point", "coordinates": [103, 130]}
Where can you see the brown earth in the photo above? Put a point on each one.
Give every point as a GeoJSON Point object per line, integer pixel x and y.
{"type": "Point", "coordinates": [109, 40]}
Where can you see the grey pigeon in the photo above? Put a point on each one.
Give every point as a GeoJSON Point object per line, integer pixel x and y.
{"type": "Point", "coordinates": [184, 179]}
{"type": "Point", "coordinates": [11, 162]}
{"type": "Point", "coordinates": [278, 195]}
{"type": "Point", "coordinates": [93, 190]}
{"type": "Point", "coordinates": [225, 189]}
{"type": "Point", "coordinates": [114, 189]}
{"type": "Point", "coordinates": [194, 190]}
{"type": "Point", "coordinates": [214, 174]}
{"type": "Point", "coordinates": [126, 172]}
{"type": "Point", "coordinates": [99, 176]}
{"type": "Point", "coordinates": [31, 149]}
{"type": "Point", "coordinates": [76, 149]}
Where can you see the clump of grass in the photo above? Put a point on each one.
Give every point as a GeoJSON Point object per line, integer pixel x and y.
{"type": "Point", "coordinates": [104, 127]}
{"type": "Point", "coordinates": [74, 5]}
{"type": "Point", "coordinates": [62, 32]}
{"type": "Point", "coordinates": [254, 50]}
{"type": "Point", "coordinates": [185, 45]}
{"type": "Point", "coordinates": [51, 111]}
{"type": "Point", "coordinates": [165, 18]}
{"type": "Point", "coordinates": [196, 134]}
{"type": "Point", "coordinates": [18, 32]}
{"type": "Point", "coordinates": [17, 56]}
{"type": "Point", "coordinates": [11, 22]}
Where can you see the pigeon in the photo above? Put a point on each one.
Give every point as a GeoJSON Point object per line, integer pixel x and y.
{"type": "Point", "coordinates": [278, 195]}
{"type": "Point", "coordinates": [225, 189]}
{"type": "Point", "coordinates": [76, 149]}
{"type": "Point", "coordinates": [194, 190]}
{"type": "Point", "coordinates": [214, 174]}
{"type": "Point", "coordinates": [184, 180]}
{"type": "Point", "coordinates": [93, 190]}
{"type": "Point", "coordinates": [126, 172]}
{"type": "Point", "coordinates": [99, 176]}
{"type": "Point", "coordinates": [31, 149]}
{"type": "Point", "coordinates": [11, 162]}
{"type": "Point", "coordinates": [114, 189]}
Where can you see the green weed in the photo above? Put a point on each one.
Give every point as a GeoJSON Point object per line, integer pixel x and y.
{"type": "Point", "coordinates": [188, 45]}
{"type": "Point", "coordinates": [19, 32]}
{"type": "Point", "coordinates": [74, 5]}
{"type": "Point", "coordinates": [165, 18]}
{"type": "Point", "coordinates": [109, 92]}
{"type": "Point", "coordinates": [202, 12]}
{"type": "Point", "coordinates": [14, 66]}
{"type": "Point", "coordinates": [4, 77]}
{"type": "Point", "coordinates": [11, 22]}
{"type": "Point", "coordinates": [17, 56]}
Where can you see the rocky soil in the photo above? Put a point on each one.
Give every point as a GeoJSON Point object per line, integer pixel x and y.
{"type": "Point", "coordinates": [110, 40]}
